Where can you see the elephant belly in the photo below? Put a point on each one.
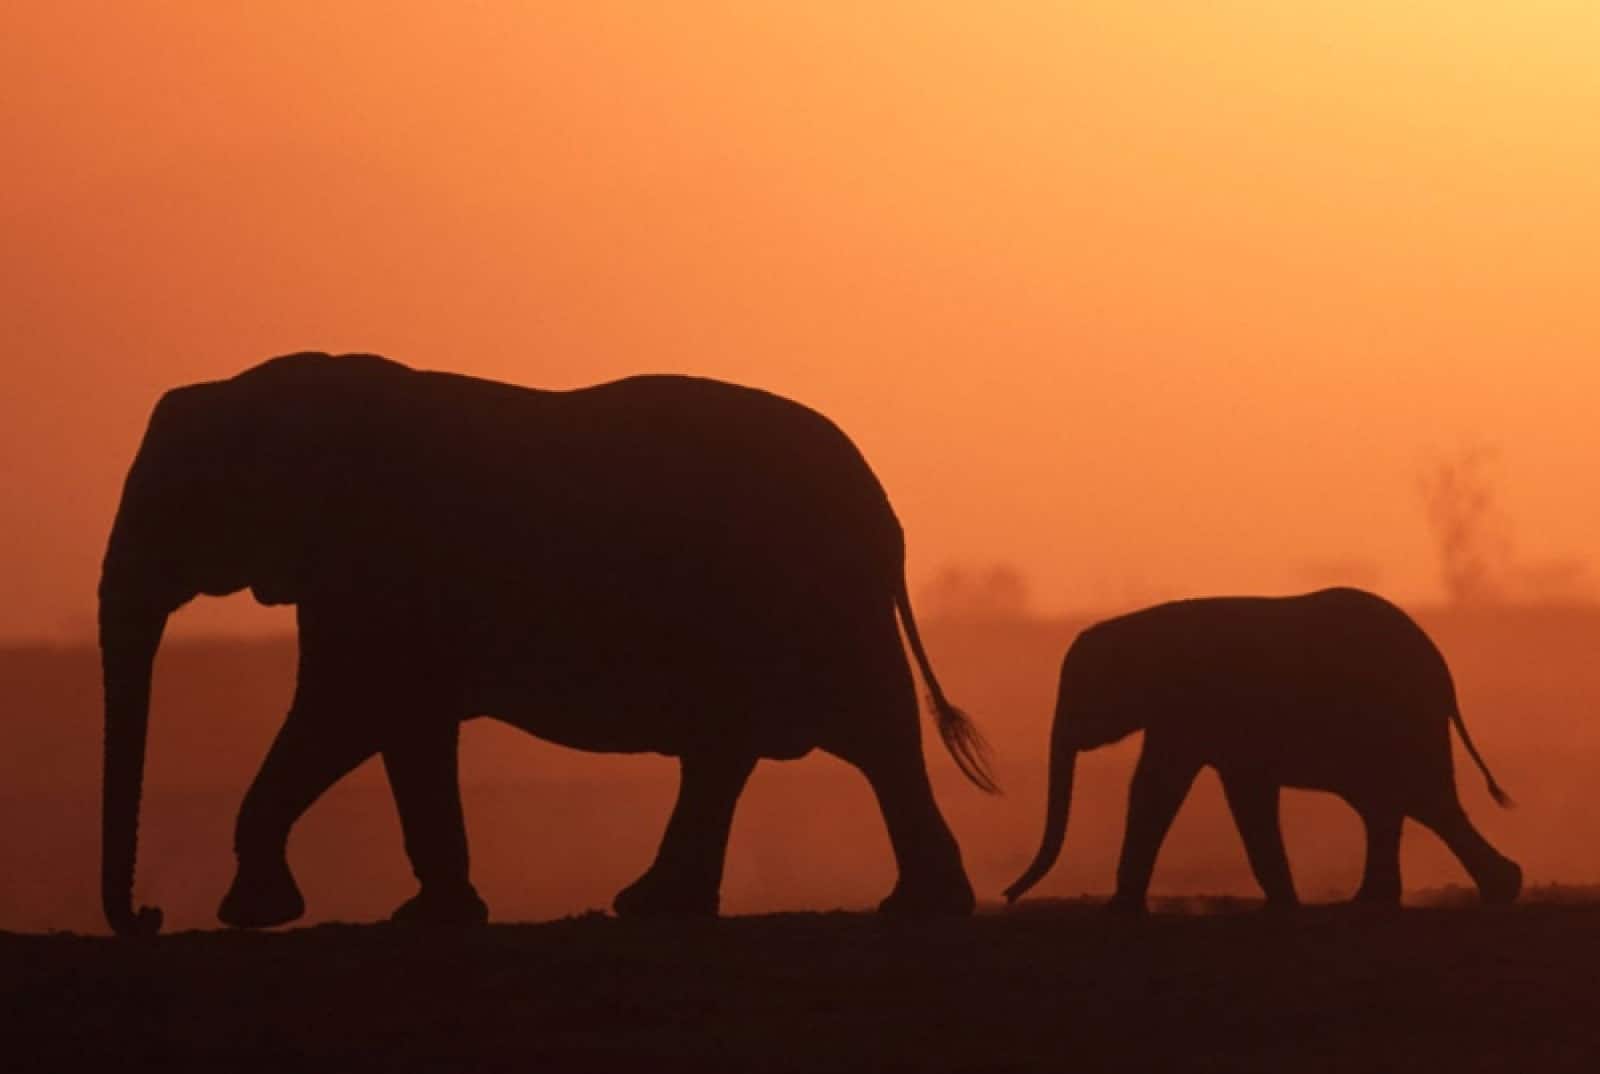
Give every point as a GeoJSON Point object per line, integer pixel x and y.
{"type": "Point", "coordinates": [1350, 746]}
{"type": "Point", "coordinates": [750, 670]}
{"type": "Point", "coordinates": [616, 712]}
{"type": "Point", "coordinates": [589, 731]}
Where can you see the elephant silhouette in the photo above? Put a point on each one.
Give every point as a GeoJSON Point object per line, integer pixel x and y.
{"type": "Point", "coordinates": [1337, 690]}
{"type": "Point", "coordinates": [660, 564]}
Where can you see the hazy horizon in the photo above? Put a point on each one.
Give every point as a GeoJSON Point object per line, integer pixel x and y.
{"type": "Point", "coordinates": [224, 620]}
{"type": "Point", "coordinates": [556, 831]}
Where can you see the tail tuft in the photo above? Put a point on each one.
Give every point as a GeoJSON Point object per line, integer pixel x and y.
{"type": "Point", "coordinates": [965, 743]}
{"type": "Point", "coordinates": [1501, 798]}
{"type": "Point", "coordinates": [961, 736]}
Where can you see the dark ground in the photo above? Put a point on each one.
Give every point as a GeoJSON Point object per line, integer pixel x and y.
{"type": "Point", "coordinates": [1054, 986]}
{"type": "Point", "coordinates": [1051, 986]}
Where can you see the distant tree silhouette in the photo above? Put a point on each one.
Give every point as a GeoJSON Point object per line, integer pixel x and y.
{"type": "Point", "coordinates": [1469, 529]}
{"type": "Point", "coordinates": [997, 591]}
{"type": "Point", "coordinates": [1477, 556]}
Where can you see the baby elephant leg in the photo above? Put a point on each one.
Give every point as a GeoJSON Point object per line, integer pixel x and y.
{"type": "Point", "coordinates": [1499, 879]}
{"type": "Point", "coordinates": [1161, 781]}
{"type": "Point", "coordinates": [1253, 800]}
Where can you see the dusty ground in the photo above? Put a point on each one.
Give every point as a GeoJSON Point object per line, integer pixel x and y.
{"type": "Point", "coordinates": [1052, 986]}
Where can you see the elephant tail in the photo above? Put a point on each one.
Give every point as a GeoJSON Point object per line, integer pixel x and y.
{"type": "Point", "coordinates": [961, 736]}
{"type": "Point", "coordinates": [1497, 792]}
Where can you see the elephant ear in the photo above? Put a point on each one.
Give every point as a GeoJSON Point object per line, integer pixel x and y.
{"type": "Point", "coordinates": [164, 544]}
{"type": "Point", "coordinates": [279, 486]}
{"type": "Point", "coordinates": [279, 558]}
{"type": "Point", "coordinates": [311, 421]}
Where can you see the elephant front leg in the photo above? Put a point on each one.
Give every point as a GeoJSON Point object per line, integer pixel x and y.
{"type": "Point", "coordinates": [317, 746]}
{"type": "Point", "coordinates": [423, 767]}
{"type": "Point", "coordinates": [686, 877]}
{"type": "Point", "coordinates": [1161, 781]}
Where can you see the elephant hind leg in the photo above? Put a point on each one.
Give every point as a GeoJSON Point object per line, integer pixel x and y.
{"type": "Point", "coordinates": [1380, 880]}
{"type": "Point", "coordinates": [932, 879]}
{"type": "Point", "coordinates": [686, 878]}
{"type": "Point", "coordinates": [888, 751]}
{"type": "Point", "coordinates": [1253, 800]}
{"type": "Point", "coordinates": [1499, 879]}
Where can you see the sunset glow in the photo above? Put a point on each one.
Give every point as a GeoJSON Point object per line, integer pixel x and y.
{"type": "Point", "coordinates": [1141, 300]}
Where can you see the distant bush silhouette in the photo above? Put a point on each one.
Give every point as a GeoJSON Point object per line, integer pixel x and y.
{"type": "Point", "coordinates": [978, 594]}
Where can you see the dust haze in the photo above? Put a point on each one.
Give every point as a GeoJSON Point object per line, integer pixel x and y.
{"type": "Point", "coordinates": [556, 832]}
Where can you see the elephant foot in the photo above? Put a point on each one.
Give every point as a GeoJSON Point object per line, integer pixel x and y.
{"type": "Point", "coordinates": [457, 907]}
{"type": "Point", "coordinates": [652, 896]}
{"type": "Point", "coordinates": [929, 900]}
{"type": "Point", "coordinates": [1377, 897]}
{"type": "Point", "coordinates": [261, 897]}
{"type": "Point", "coordinates": [1501, 884]}
{"type": "Point", "coordinates": [1126, 905]}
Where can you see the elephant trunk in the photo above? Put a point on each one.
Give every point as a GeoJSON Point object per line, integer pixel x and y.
{"type": "Point", "coordinates": [1063, 762]}
{"type": "Point", "coordinates": [129, 637]}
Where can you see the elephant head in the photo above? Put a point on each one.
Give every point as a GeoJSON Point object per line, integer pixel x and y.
{"type": "Point", "coordinates": [224, 494]}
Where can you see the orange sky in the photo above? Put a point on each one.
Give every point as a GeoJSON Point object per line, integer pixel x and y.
{"type": "Point", "coordinates": [1144, 298]}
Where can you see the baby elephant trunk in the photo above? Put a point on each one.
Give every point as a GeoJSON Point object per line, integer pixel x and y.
{"type": "Point", "coordinates": [1063, 760]}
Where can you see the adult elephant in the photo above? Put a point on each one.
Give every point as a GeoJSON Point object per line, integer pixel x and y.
{"type": "Point", "coordinates": [660, 564]}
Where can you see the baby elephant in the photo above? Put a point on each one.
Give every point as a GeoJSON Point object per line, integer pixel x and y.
{"type": "Point", "coordinates": [1336, 690]}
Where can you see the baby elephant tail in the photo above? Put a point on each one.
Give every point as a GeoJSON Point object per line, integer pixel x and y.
{"type": "Point", "coordinates": [1497, 792]}
{"type": "Point", "coordinates": [961, 736]}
